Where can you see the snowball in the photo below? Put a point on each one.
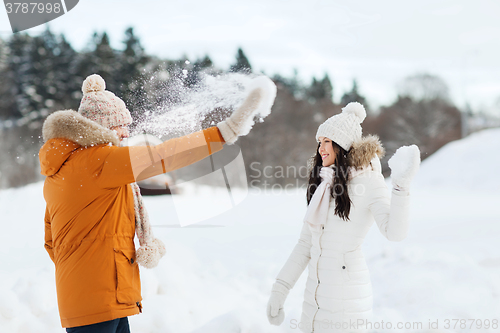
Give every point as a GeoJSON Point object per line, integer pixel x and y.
{"type": "Point", "coordinates": [356, 109]}
{"type": "Point", "coordinates": [93, 83]}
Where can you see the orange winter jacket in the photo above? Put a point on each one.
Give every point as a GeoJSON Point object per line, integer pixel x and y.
{"type": "Point", "coordinates": [90, 220]}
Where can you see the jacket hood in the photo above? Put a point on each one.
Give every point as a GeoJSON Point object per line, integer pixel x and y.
{"type": "Point", "coordinates": [363, 151]}
{"type": "Point", "coordinates": [54, 153]}
{"type": "Point", "coordinates": [71, 125]}
{"type": "Point", "coordinates": [66, 131]}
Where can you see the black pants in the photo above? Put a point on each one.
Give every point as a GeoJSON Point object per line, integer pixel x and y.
{"type": "Point", "coordinates": [119, 325]}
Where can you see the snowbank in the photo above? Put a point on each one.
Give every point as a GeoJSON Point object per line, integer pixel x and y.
{"type": "Point", "coordinates": [467, 164]}
{"type": "Point", "coordinates": [217, 276]}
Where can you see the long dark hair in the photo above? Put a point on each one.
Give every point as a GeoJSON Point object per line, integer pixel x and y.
{"type": "Point", "coordinates": [340, 179]}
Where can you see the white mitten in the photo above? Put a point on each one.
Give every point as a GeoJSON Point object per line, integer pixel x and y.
{"type": "Point", "coordinates": [275, 312]}
{"type": "Point", "coordinates": [262, 92]}
{"type": "Point", "coordinates": [404, 165]}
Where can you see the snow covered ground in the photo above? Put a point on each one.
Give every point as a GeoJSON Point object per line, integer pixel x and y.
{"type": "Point", "coordinates": [217, 277]}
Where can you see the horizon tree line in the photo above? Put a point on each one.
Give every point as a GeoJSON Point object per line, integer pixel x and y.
{"type": "Point", "coordinates": [42, 74]}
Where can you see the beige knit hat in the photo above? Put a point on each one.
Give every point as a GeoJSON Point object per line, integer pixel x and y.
{"type": "Point", "coordinates": [102, 106]}
{"type": "Point", "coordinates": [344, 128]}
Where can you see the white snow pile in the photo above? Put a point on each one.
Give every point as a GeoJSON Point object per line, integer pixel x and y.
{"type": "Point", "coordinates": [217, 277]}
{"type": "Point", "coordinates": [182, 111]}
{"type": "Point", "coordinates": [470, 163]}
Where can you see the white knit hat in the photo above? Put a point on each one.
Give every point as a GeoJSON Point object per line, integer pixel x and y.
{"type": "Point", "coordinates": [344, 128]}
{"type": "Point", "coordinates": [102, 106]}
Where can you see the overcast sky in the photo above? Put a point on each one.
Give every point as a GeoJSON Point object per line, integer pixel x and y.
{"type": "Point", "coordinates": [377, 42]}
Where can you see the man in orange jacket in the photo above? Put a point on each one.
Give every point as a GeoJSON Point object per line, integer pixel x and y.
{"type": "Point", "coordinates": [93, 209]}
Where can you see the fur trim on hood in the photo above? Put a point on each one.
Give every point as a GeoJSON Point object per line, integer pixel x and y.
{"type": "Point", "coordinates": [71, 125]}
{"type": "Point", "coordinates": [364, 150]}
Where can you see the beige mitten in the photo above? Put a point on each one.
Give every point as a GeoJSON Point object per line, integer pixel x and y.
{"type": "Point", "coordinates": [262, 92]}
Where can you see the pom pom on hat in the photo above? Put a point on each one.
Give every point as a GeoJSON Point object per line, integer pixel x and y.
{"type": "Point", "coordinates": [356, 109]}
{"type": "Point", "coordinates": [93, 83]}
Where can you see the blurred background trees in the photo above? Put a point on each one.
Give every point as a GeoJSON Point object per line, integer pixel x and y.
{"type": "Point", "coordinates": [422, 114]}
{"type": "Point", "coordinates": [42, 74]}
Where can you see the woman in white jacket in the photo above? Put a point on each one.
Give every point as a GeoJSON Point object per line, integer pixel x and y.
{"type": "Point", "coordinates": [346, 193]}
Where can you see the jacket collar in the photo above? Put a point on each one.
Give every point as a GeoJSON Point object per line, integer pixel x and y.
{"type": "Point", "coordinates": [71, 125]}
{"type": "Point", "coordinates": [364, 151]}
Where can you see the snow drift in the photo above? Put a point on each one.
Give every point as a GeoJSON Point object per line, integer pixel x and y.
{"type": "Point", "coordinates": [217, 277]}
{"type": "Point", "coordinates": [467, 164]}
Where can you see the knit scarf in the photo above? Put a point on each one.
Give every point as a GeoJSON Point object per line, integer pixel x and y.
{"type": "Point", "coordinates": [151, 249]}
{"type": "Point", "coordinates": [317, 211]}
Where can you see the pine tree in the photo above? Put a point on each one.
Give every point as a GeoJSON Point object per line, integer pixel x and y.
{"type": "Point", "coordinates": [3, 74]}
{"type": "Point", "coordinates": [320, 89]}
{"type": "Point", "coordinates": [203, 63]}
{"type": "Point", "coordinates": [354, 96]}
{"type": "Point", "coordinates": [293, 84]}
{"type": "Point", "coordinates": [131, 62]}
{"type": "Point", "coordinates": [42, 75]}
{"type": "Point", "coordinates": [37, 77]}
{"type": "Point", "coordinates": [107, 62]}
{"type": "Point", "coordinates": [86, 63]}
{"type": "Point", "coordinates": [102, 60]}
{"type": "Point", "coordinates": [67, 81]}
{"type": "Point", "coordinates": [132, 59]}
{"type": "Point", "coordinates": [29, 85]}
{"type": "Point", "coordinates": [14, 102]}
{"type": "Point", "coordinates": [327, 87]}
{"type": "Point", "coordinates": [48, 82]}
{"type": "Point", "coordinates": [242, 64]}
{"type": "Point", "coordinates": [3, 55]}
{"type": "Point", "coordinates": [196, 70]}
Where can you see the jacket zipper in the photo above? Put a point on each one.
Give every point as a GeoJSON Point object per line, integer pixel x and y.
{"type": "Point", "coordinates": [317, 275]}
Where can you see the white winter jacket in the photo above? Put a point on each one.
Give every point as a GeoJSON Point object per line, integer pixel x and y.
{"type": "Point", "coordinates": [338, 296]}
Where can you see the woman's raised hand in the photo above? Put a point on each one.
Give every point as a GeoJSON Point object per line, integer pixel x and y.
{"type": "Point", "coordinates": [404, 165]}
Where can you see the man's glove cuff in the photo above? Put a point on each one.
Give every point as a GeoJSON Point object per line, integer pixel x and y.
{"type": "Point", "coordinates": [227, 132]}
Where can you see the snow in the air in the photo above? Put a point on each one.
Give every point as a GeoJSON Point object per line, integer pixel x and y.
{"type": "Point", "coordinates": [217, 277]}
{"type": "Point", "coordinates": [183, 108]}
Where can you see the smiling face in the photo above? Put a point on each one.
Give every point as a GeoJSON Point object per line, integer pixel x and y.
{"type": "Point", "coordinates": [121, 131]}
{"type": "Point", "coordinates": [326, 151]}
